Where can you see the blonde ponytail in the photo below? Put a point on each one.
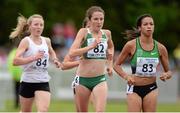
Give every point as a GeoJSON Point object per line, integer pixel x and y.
{"type": "Point", "coordinates": [21, 28]}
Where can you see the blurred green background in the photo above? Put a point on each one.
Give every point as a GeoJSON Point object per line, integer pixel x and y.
{"type": "Point", "coordinates": [120, 15]}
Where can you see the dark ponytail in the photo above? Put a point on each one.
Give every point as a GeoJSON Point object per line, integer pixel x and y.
{"type": "Point", "coordinates": [134, 33]}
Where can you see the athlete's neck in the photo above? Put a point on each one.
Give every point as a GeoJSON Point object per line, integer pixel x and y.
{"type": "Point", "coordinates": [93, 31]}
{"type": "Point", "coordinates": [35, 39]}
{"type": "Point", "coordinates": [145, 39]}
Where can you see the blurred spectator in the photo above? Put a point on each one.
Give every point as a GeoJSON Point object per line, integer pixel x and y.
{"type": "Point", "coordinates": [69, 33]}
{"type": "Point", "coordinates": [58, 41]}
{"type": "Point", "coordinates": [176, 54]}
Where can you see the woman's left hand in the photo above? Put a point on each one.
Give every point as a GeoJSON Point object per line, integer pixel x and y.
{"type": "Point", "coordinates": [57, 63]}
{"type": "Point", "coordinates": [165, 76]}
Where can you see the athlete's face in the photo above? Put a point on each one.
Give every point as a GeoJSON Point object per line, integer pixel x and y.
{"type": "Point", "coordinates": [97, 20]}
{"type": "Point", "coordinates": [36, 27]}
{"type": "Point", "coordinates": [147, 26]}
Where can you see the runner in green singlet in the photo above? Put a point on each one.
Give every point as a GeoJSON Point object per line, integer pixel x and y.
{"type": "Point", "coordinates": [93, 44]}
{"type": "Point", "coordinates": [145, 53]}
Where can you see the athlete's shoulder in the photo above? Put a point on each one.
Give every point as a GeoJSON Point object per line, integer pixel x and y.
{"type": "Point", "coordinates": [107, 31]}
{"type": "Point", "coordinates": [131, 42]}
{"type": "Point", "coordinates": [46, 38]}
{"type": "Point", "coordinates": [25, 40]}
{"type": "Point", "coordinates": [161, 47]}
{"type": "Point", "coordinates": [130, 45]}
{"type": "Point", "coordinates": [83, 30]}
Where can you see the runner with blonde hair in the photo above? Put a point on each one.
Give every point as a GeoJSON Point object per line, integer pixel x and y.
{"type": "Point", "coordinates": [33, 54]}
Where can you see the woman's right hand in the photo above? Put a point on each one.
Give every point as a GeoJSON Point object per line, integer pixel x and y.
{"type": "Point", "coordinates": [130, 79]}
{"type": "Point", "coordinates": [38, 55]}
{"type": "Point", "coordinates": [110, 71]}
{"type": "Point", "coordinates": [96, 42]}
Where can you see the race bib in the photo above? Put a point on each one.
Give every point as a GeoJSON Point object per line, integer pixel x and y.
{"type": "Point", "coordinates": [42, 63]}
{"type": "Point", "coordinates": [146, 66]}
{"type": "Point", "coordinates": [129, 89]}
{"type": "Point", "coordinates": [99, 51]}
{"type": "Point", "coordinates": [75, 82]}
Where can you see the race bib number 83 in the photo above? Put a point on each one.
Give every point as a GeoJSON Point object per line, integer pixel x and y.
{"type": "Point", "coordinates": [146, 66]}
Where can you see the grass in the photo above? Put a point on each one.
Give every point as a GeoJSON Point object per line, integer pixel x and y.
{"type": "Point", "coordinates": [112, 106]}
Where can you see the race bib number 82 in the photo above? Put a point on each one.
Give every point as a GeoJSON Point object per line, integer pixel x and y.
{"type": "Point", "coordinates": [99, 50]}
